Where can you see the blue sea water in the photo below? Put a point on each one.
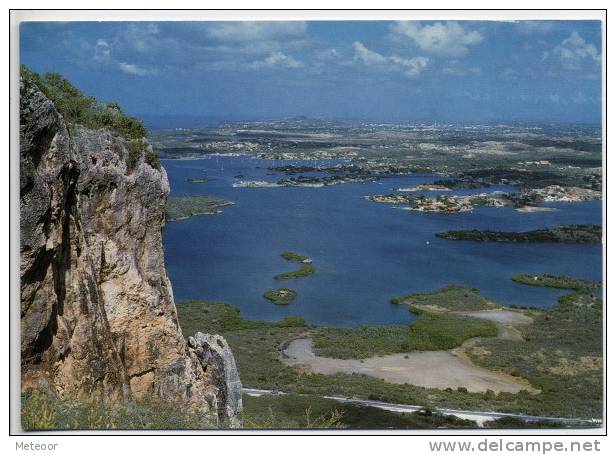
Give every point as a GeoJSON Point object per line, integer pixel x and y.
{"type": "Point", "coordinates": [364, 252]}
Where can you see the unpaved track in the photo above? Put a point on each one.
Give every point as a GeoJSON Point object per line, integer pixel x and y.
{"type": "Point", "coordinates": [506, 321]}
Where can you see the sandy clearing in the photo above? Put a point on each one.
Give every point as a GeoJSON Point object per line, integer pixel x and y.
{"type": "Point", "coordinates": [500, 316]}
{"type": "Point", "coordinates": [433, 369]}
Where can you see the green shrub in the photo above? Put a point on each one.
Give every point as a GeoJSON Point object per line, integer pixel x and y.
{"type": "Point", "coordinates": [199, 316]}
{"type": "Point", "coordinates": [360, 342]}
{"type": "Point", "coordinates": [77, 108]}
{"type": "Point", "coordinates": [42, 410]}
{"type": "Point", "coordinates": [452, 297]}
{"type": "Point", "coordinates": [135, 149]}
{"type": "Point", "coordinates": [152, 159]}
{"type": "Point", "coordinates": [434, 332]}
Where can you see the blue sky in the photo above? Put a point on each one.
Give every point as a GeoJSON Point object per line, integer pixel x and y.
{"type": "Point", "coordinates": [475, 71]}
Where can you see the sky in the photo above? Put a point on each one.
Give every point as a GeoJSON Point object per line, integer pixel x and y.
{"type": "Point", "coordinates": [388, 71]}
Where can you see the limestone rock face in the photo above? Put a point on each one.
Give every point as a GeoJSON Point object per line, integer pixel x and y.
{"type": "Point", "coordinates": [214, 355]}
{"type": "Point", "coordinates": [97, 311]}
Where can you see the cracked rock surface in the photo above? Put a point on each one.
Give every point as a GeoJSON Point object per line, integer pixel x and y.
{"type": "Point", "coordinates": [97, 311]}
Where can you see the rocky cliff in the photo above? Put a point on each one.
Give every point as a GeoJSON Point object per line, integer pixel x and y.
{"type": "Point", "coordinates": [97, 311]}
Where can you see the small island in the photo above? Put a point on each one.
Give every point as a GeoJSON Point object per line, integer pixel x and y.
{"type": "Point", "coordinates": [525, 201]}
{"type": "Point", "coordinates": [197, 180]}
{"type": "Point", "coordinates": [574, 233]}
{"type": "Point", "coordinates": [306, 268]}
{"type": "Point", "coordinates": [281, 296]}
{"type": "Point", "coordinates": [553, 281]}
{"type": "Point", "coordinates": [184, 207]}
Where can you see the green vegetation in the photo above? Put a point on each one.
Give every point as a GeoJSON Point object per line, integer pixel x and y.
{"type": "Point", "coordinates": [435, 332]}
{"type": "Point", "coordinates": [209, 317]}
{"type": "Point", "coordinates": [292, 256]}
{"type": "Point", "coordinates": [560, 354]}
{"type": "Point", "coordinates": [430, 332]}
{"type": "Point", "coordinates": [552, 281]}
{"type": "Point", "coordinates": [151, 158]}
{"type": "Point", "coordinates": [575, 233]}
{"type": "Point", "coordinates": [77, 108]}
{"type": "Point", "coordinates": [304, 270]}
{"type": "Point", "coordinates": [453, 297]}
{"type": "Point", "coordinates": [183, 207]}
{"type": "Point", "coordinates": [138, 148]}
{"type": "Point", "coordinates": [281, 296]}
{"type": "Point", "coordinates": [296, 411]}
{"type": "Point", "coordinates": [291, 412]}
{"type": "Point", "coordinates": [258, 346]}
{"type": "Point", "coordinates": [43, 411]}
{"type": "Point", "coordinates": [361, 342]}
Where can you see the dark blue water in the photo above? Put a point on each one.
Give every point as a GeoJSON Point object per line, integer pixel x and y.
{"type": "Point", "coordinates": [364, 252]}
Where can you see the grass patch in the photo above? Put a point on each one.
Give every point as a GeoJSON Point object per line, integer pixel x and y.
{"type": "Point", "coordinates": [435, 332]}
{"type": "Point", "coordinates": [42, 410]}
{"type": "Point", "coordinates": [430, 332]}
{"type": "Point", "coordinates": [281, 296]}
{"type": "Point", "coordinates": [295, 411]}
{"type": "Point", "coordinates": [183, 207]}
{"type": "Point", "coordinates": [361, 342]}
{"type": "Point", "coordinates": [453, 297]}
{"type": "Point", "coordinates": [553, 281]}
{"type": "Point", "coordinates": [291, 412]}
{"type": "Point", "coordinates": [208, 317]}
{"type": "Point", "coordinates": [304, 270]}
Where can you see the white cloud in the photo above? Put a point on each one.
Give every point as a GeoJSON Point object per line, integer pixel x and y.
{"type": "Point", "coordinates": [532, 27]}
{"type": "Point", "coordinates": [412, 66]}
{"type": "Point", "coordinates": [102, 51]}
{"type": "Point", "coordinates": [365, 55]}
{"type": "Point", "coordinates": [448, 39]}
{"type": "Point", "coordinates": [240, 32]}
{"type": "Point", "coordinates": [142, 37]}
{"type": "Point", "coordinates": [104, 54]}
{"type": "Point", "coordinates": [575, 53]}
{"type": "Point", "coordinates": [131, 68]}
{"type": "Point", "coordinates": [409, 66]}
{"type": "Point", "coordinates": [276, 59]}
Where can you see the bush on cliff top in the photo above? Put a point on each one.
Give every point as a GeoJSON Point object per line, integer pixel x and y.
{"type": "Point", "coordinates": [78, 108]}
